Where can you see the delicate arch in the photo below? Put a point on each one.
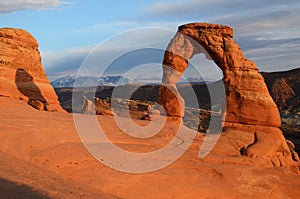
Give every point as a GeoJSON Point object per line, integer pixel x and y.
{"type": "Point", "coordinates": [247, 97]}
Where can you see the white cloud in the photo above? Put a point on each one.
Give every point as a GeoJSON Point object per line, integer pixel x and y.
{"type": "Point", "coordinates": [117, 27]}
{"type": "Point", "coordinates": [276, 57]}
{"type": "Point", "coordinates": [265, 25]}
{"type": "Point", "coordinates": [121, 52]}
{"type": "Point", "coordinates": [107, 26]}
{"type": "Point", "coordinates": [9, 6]}
{"type": "Point", "coordinates": [268, 31]}
{"type": "Point", "coordinates": [62, 63]}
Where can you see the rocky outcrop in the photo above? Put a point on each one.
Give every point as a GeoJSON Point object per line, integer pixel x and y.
{"type": "Point", "coordinates": [21, 72]}
{"type": "Point", "coordinates": [248, 99]}
{"type": "Point", "coordinates": [284, 87]}
{"type": "Point", "coordinates": [250, 109]}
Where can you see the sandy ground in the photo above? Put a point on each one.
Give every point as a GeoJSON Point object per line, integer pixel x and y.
{"type": "Point", "coordinates": [42, 156]}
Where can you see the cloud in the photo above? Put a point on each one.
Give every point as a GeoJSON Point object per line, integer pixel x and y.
{"type": "Point", "coordinates": [112, 26]}
{"type": "Point", "coordinates": [271, 39]}
{"type": "Point", "coordinates": [62, 63]}
{"type": "Point", "coordinates": [268, 31]}
{"type": "Point", "coordinates": [134, 62]}
{"type": "Point", "coordinates": [213, 8]}
{"type": "Point", "coordinates": [120, 53]}
{"type": "Point", "coordinates": [270, 25]}
{"type": "Point", "coordinates": [278, 51]}
{"type": "Point", "coordinates": [117, 27]}
{"type": "Point", "coordinates": [276, 57]}
{"type": "Point", "coordinates": [9, 6]}
{"type": "Point", "coordinates": [255, 20]}
{"type": "Point", "coordinates": [91, 62]}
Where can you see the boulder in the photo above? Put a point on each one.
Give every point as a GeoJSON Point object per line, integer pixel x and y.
{"type": "Point", "coordinates": [146, 117]}
{"type": "Point", "coordinates": [103, 107]}
{"type": "Point", "coordinates": [105, 112]}
{"type": "Point", "coordinates": [87, 106]}
{"type": "Point", "coordinates": [37, 104]}
{"type": "Point", "coordinates": [292, 149]}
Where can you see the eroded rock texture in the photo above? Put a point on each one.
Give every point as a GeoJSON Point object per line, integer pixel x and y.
{"type": "Point", "coordinates": [21, 72]}
{"type": "Point", "coordinates": [250, 109]}
{"type": "Point", "coordinates": [248, 99]}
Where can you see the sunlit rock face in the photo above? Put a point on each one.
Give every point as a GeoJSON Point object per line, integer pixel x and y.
{"type": "Point", "coordinates": [21, 73]}
{"type": "Point", "coordinates": [250, 109]}
{"type": "Point", "coordinates": [248, 99]}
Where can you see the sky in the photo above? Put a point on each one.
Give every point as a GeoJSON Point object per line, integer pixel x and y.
{"type": "Point", "coordinates": [268, 31]}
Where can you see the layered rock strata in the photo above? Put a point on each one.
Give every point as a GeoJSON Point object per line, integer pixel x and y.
{"type": "Point", "coordinates": [21, 73]}
{"type": "Point", "coordinates": [250, 109]}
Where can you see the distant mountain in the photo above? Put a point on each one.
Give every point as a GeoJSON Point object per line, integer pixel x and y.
{"type": "Point", "coordinates": [284, 86]}
{"type": "Point", "coordinates": [117, 80]}
{"type": "Point", "coordinates": [83, 81]}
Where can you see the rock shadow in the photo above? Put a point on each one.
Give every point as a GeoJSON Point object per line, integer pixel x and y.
{"type": "Point", "coordinates": [9, 189]}
{"type": "Point", "coordinates": [27, 87]}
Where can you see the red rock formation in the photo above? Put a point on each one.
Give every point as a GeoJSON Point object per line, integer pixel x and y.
{"type": "Point", "coordinates": [21, 72]}
{"type": "Point", "coordinates": [282, 92]}
{"type": "Point", "coordinates": [250, 108]}
{"type": "Point", "coordinates": [284, 87]}
{"type": "Point", "coordinates": [248, 99]}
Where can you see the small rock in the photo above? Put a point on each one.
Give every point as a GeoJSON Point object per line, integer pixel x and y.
{"type": "Point", "coordinates": [146, 117]}
{"type": "Point", "coordinates": [37, 104]}
{"type": "Point", "coordinates": [291, 146]}
{"type": "Point", "coordinates": [105, 112]}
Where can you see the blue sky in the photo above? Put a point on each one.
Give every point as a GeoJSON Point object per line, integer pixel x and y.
{"type": "Point", "coordinates": [268, 31]}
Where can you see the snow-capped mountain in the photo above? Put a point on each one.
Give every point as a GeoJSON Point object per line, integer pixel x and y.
{"type": "Point", "coordinates": [84, 81]}
{"type": "Point", "coordinates": [117, 80]}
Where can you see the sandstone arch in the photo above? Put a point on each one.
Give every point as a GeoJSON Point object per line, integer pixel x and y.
{"type": "Point", "coordinates": [248, 99]}
{"type": "Point", "coordinates": [252, 119]}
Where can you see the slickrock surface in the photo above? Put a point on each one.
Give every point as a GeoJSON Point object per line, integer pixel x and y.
{"type": "Point", "coordinates": [52, 161]}
{"type": "Point", "coordinates": [22, 75]}
{"type": "Point", "coordinates": [250, 108]}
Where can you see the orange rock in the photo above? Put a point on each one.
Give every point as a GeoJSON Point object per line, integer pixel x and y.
{"type": "Point", "coordinates": [248, 99]}
{"type": "Point", "coordinates": [250, 108]}
{"type": "Point", "coordinates": [22, 75]}
{"type": "Point", "coordinates": [37, 104]}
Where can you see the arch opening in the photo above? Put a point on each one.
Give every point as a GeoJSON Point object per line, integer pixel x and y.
{"type": "Point", "coordinates": [192, 85]}
{"type": "Point", "coordinates": [205, 77]}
